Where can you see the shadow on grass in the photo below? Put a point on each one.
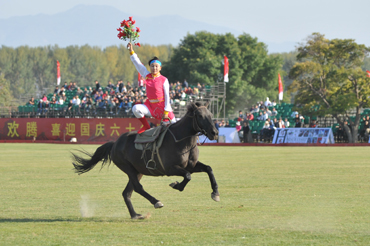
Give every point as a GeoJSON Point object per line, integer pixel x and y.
{"type": "Point", "coordinates": [41, 220]}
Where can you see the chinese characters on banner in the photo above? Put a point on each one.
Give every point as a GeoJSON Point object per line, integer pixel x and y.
{"type": "Point", "coordinates": [64, 129]}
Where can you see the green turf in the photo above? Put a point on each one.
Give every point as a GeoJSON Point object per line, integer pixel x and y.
{"type": "Point", "coordinates": [269, 196]}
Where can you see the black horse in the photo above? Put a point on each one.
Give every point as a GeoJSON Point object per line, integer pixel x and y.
{"type": "Point", "coordinates": [179, 154]}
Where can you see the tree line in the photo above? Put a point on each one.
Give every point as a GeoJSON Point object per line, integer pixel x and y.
{"type": "Point", "coordinates": [198, 58]}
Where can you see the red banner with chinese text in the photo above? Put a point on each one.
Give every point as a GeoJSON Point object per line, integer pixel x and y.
{"type": "Point", "coordinates": [63, 129]}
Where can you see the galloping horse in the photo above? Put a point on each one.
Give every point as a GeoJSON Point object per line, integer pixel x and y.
{"type": "Point", "coordinates": [179, 154]}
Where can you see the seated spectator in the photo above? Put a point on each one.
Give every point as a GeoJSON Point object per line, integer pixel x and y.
{"type": "Point", "coordinates": [74, 86]}
{"type": "Point", "coordinates": [44, 98]}
{"type": "Point", "coordinates": [70, 86]}
{"type": "Point", "coordinates": [56, 91]}
{"type": "Point", "coordinates": [256, 109]}
{"type": "Point", "coordinates": [241, 116]}
{"type": "Point", "coordinates": [61, 91]}
{"type": "Point", "coordinates": [227, 124]}
{"type": "Point", "coordinates": [40, 106]}
{"type": "Point", "coordinates": [276, 123]}
{"type": "Point", "coordinates": [281, 123]}
{"type": "Point", "coordinates": [46, 106]}
{"type": "Point", "coordinates": [189, 91]}
{"type": "Point", "coordinates": [265, 115]}
{"type": "Point", "coordinates": [249, 117]}
{"type": "Point", "coordinates": [274, 112]}
{"type": "Point", "coordinates": [53, 101]}
{"type": "Point", "coordinates": [65, 86]}
{"type": "Point", "coordinates": [267, 130]}
{"type": "Point", "coordinates": [273, 103]}
{"type": "Point", "coordinates": [313, 124]}
{"type": "Point", "coordinates": [268, 111]}
{"type": "Point", "coordinates": [31, 101]}
{"type": "Point", "coordinates": [79, 91]}
{"type": "Point", "coordinates": [286, 123]}
{"type": "Point", "coordinates": [261, 116]}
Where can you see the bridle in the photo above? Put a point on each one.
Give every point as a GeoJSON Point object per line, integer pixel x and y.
{"type": "Point", "coordinates": [196, 127]}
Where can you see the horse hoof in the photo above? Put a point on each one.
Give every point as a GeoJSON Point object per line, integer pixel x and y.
{"type": "Point", "coordinates": [138, 217]}
{"type": "Point", "coordinates": [158, 205]}
{"type": "Point", "coordinates": [174, 184]}
{"type": "Point", "coordinates": [141, 217]}
{"type": "Point", "coordinates": [215, 197]}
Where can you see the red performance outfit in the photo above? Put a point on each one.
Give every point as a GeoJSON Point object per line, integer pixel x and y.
{"type": "Point", "coordinates": [157, 90]}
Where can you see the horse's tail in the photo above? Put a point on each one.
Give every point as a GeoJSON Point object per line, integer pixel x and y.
{"type": "Point", "coordinates": [83, 165]}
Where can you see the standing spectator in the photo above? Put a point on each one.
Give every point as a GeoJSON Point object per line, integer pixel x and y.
{"type": "Point", "coordinates": [238, 127]}
{"type": "Point", "coordinates": [185, 84]}
{"type": "Point", "coordinates": [110, 85]}
{"type": "Point", "coordinates": [97, 85]}
{"type": "Point", "coordinates": [217, 125]}
{"type": "Point", "coordinates": [245, 130]}
{"type": "Point", "coordinates": [56, 91]}
{"type": "Point", "coordinates": [267, 102]}
{"type": "Point", "coordinates": [298, 123]}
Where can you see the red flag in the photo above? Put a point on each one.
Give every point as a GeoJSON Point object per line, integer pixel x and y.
{"type": "Point", "coordinates": [368, 73]}
{"type": "Point", "coordinates": [226, 69]}
{"type": "Point", "coordinates": [280, 89]}
{"type": "Point", "coordinates": [58, 73]}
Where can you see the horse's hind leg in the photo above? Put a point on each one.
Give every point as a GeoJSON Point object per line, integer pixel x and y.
{"type": "Point", "coordinates": [179, 171]}
{"type": "Point", "coordinates": [138, 188]}
{"type": "Point", "coordinates": [127, 197]}
{"type": "Point", "coordinates": [200, 167]}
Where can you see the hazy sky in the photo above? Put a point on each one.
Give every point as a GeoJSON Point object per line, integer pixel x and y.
{"type": "Point", "coordinates": [269, 20]}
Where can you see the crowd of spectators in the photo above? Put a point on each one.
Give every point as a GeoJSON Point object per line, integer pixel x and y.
{"type": "Point", "coordinates": [116, 98]}
{"type": "Point", "coordinates": [266, 113]}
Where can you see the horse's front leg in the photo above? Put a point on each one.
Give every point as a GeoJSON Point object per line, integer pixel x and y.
{"type": "Point", "coordinates": [179, 171]}
{"type": "Point", "coordinates": [200, 167]}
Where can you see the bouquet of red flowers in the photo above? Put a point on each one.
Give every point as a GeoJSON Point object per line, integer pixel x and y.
{"type": "Point", "coordinates": [128, 31]}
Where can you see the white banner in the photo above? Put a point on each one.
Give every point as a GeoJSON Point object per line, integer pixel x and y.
{"type": "Point", "coordinates": [226, 135]}
{"type": "Point", "coordinates": [303, 135]}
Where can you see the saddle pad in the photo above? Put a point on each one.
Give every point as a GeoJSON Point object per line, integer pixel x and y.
{"type": "Point", "coordinates": [149, 145]}
{"type": "Point", "coordinates": [148, 136]}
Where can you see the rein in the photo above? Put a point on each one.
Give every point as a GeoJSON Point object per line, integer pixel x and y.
{"type": "Point", "coordinates": [196, 128]}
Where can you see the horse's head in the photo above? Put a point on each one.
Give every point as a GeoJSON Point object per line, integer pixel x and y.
{"type": "Point", "coordinates": [203, 120]}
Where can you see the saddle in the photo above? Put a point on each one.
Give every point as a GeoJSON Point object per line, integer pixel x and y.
{"type": "Point", "coordinates": [151, 140]}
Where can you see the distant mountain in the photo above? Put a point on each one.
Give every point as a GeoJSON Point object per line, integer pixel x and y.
{"type": "Point", "coordinates": [96, 26]}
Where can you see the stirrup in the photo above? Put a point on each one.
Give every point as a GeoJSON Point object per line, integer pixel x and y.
{"type": "Point", "coordinates": [151, 164]}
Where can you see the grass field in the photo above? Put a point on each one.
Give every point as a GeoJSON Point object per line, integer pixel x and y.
{"type": "Point", "coordinates": [269, 196]}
